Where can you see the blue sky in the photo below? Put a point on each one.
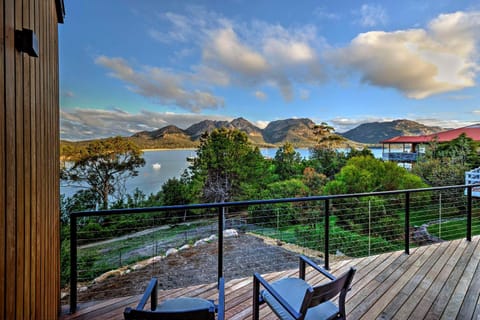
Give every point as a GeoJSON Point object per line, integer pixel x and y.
{"type": "Point", "coordinates": [127, 66]}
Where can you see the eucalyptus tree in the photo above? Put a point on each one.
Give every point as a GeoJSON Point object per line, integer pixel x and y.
{"type": "Point", "coordinates": [103, 166]}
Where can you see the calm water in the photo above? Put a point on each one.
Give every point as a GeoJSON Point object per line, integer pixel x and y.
{"type": "Point", "coordinates": [172, 164]}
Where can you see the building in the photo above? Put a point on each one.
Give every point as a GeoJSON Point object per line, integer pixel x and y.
{"type": "Point", "coordinates": [29, 153]}
{"type": "Point", "coordinates": [406, 149]}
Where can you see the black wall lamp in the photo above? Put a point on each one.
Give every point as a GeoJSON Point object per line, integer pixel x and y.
{"type": "Point", "coordinates": [26, 41]}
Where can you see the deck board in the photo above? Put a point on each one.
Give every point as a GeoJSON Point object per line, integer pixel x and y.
{"type": "Point", "coordinates": [436, 281]}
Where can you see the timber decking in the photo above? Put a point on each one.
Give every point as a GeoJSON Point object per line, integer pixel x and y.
{"type": "Point", "coordinates": [440, 281]}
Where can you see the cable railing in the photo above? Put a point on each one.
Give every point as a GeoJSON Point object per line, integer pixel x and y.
{"type": "Point", "coordinates": [114, 252]}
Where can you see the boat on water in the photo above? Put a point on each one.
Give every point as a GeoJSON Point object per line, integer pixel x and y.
{"type": "Point", "coordinates": [156, 166]}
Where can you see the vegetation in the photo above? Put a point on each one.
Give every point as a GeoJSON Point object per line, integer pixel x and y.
{"type": "Point", "coordinates": [228, 167]}
{"type": "Point", "coordinates": [225, 165]}
{"type": "Point", "coordinates": [104, 165]}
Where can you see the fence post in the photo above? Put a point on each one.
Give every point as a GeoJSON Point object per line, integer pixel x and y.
{"type": "Point", "coordinates": [469, 213]}
{"type": "Point", "coordinates": [407, 222]}
{"type": "Point", "coordinates": [327, 233]}
{"type": "Point", "coordinates": [221, 217]}
{"type": "Point", "coordinates": [73, 263]}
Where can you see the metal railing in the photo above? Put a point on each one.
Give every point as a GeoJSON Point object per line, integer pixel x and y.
{"type": "Point", "coordinates": [327, 227]}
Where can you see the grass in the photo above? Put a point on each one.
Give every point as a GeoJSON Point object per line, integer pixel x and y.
{"type": "Point", "coordinates": [456, 229]}
{"type": "Point", "coordinates": [341, 241]}
{"type": "Point", "coordinates": [97, 259]}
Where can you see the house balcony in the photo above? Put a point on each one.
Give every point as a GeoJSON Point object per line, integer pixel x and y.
{"type": "Point", "coordinates": [401, 156]}
{"type": "Point", "coordinates": [416, 252]}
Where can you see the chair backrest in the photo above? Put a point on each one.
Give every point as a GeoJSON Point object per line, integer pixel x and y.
{"type": "Point", "coordinates": [133, 314]}
{"type": "Point", "coordinates": [327, 291]}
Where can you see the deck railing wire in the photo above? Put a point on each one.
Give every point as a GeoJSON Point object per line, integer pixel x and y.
{"type": "Point", "coordinates": [325, 228]}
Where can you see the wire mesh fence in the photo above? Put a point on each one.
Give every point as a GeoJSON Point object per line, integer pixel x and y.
{"type": "Point", "coordinates": [115, 253]}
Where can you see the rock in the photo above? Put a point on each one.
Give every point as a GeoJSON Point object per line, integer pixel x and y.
{"type": "Point", "coordinates": [106, 275]}
{"type": "Point", "coordinates": [154, 259]}
{"type": "Point", "coordinates": [200, 242]}
{"type": "Point", "coordinates": [171, 251]}
{"type": "Point", "coordinates": [184, 247]}
{"type": "Point", "coordinates": [211, 238]}
{"type": "Point", "coordinates": [230, 233]}
{"type": "Point", "coordinates": [82, 289]}
{"type": "Point", "coordinates": [137, 267]}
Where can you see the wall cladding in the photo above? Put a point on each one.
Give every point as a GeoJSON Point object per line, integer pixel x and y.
{"type": "Point", "coordinates": [29, 166]}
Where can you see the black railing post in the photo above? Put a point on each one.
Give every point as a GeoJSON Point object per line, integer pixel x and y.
{"type": "Point", "coordinates": [221, 221]}
{"type": "Point", "coordinates": [469, 213]}
{"type": "Point", "coordinates": [327, 233]}
{"type": "Point", "coordinates": [73, 263]}
{"type": "Point", "coordinates": [407, 222]}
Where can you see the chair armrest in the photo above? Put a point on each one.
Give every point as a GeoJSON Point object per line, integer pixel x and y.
{"type": "Point", "coordinates": [312, 264]}
{"type": "Point", "coordinates": [221, 299]}
{"type": "Point", "coordinates": [276, 295]}
{"type": "Point", "coordinates": [150, 292]}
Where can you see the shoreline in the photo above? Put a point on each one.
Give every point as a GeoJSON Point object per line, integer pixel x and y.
{"type": "Point", "coordinates": [166, 149]}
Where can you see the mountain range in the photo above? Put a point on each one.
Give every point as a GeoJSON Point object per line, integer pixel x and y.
{"type": "Point", "coordinates": [299, 132]}
{"type": "Point", "coordinates": [296, 131]}
{"type": "Point", "coordinates": [374, 132]}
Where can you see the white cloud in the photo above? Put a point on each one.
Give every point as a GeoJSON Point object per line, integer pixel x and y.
{"type": "Point", "coordinates": [444, 123]}
{"type": "Point", "coordinates": [261, 124]}
{"type": "Point", "coordinates": [476, 112]}
{"type": "Point", "coordinates": [322, 13]}
{"type": "Point", "coordinates": [263, 54]}
{"type": "Point", "coordinates": [161, 85]}
{"type": "Point", "coordinates": [226, 50]}
{"type": "Point", "coordinates": [372, 15]}
{"type": "Point", "coordinates": [342, 124]}
{"type": "Point", "coordinates": [304, 94]}
{"type": "Point", "coordinates": [260, 95]}
{"type": "Point", "coordinates": [418, 62]}
{"type": "Point", "coordinates": [81, 124]}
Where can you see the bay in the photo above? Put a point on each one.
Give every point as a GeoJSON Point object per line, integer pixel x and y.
{"type": "Point", "coordinates": [161, 165]}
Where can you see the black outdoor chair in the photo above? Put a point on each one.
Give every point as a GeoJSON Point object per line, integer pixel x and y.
{"type": "Point", "coordinates": [182, 308]}
{"type": "Point", "coordinates": [294, 298]}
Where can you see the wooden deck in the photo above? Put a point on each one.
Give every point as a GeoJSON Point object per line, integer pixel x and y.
{"type": "Point", "coordinates": [440, 281]}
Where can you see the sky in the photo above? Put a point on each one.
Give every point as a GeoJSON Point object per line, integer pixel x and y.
{"type": "Point", "coordinates": [128, 66]}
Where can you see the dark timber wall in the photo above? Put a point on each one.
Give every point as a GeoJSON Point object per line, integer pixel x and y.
{"type": "Point", "coordinates": [29, 166]}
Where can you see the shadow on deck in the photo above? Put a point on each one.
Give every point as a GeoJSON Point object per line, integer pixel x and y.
{"type": "Point", "coordinates": [440, 281]}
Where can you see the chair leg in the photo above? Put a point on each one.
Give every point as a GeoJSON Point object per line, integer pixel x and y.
{"type": "Point", "coordinates": [256, 300]}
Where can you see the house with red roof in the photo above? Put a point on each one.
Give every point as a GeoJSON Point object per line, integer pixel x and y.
{"type": "Point", "coordinates": [407, 148]}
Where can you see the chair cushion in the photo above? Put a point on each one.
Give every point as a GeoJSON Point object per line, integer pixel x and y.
{"type": "Point", "coordinates": [326, 310]}
{"type": "Point", "coordinates": [185, 304]}
{"type": "Point", "coordinates": [291, 290]}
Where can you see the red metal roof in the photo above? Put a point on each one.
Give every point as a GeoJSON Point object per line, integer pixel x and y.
{"type": "Point", "coordinates": [472, 132]}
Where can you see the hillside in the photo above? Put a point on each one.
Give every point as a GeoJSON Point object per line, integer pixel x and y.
{"type": "Point", "coordinates": [299, 132]}
{"type": "Point", "coordinates": [296, 131]}
{"type": "Point", "coordinates": [374, 132]}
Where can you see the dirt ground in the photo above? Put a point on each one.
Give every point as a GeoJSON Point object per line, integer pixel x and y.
{"type": "Point", "coordinates": [243, 255]}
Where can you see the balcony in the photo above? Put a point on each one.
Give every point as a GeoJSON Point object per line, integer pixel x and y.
{"type": "Point", "coordinates": [415, 251]}
{"type": "Point", "coordinates": [401, 156]}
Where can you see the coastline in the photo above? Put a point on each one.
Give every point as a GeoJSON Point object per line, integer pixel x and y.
{"type": "Point", "coordinates": [166, 149]}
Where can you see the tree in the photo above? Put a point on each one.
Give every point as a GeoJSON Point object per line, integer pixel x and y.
{"type": "Point", "coordinates": [287, 162]}
{"type": "Point", "coordinates": [326, 138]}
{"type": "Point", "coordinates": [226, 161]}
{"type": "Point", "coordinates": [104, 165]}
{"type": "Point", "coordinates": [176, 192]}
{"type": "Point", "coordinates": [367, 174]}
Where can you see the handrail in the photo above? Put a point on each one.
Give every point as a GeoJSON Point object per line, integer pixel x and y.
{"type": "Point", "coordinates": [221, 221]}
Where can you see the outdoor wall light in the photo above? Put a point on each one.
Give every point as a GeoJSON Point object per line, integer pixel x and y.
{"type": "Point", "coordinates": [26, 41]}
